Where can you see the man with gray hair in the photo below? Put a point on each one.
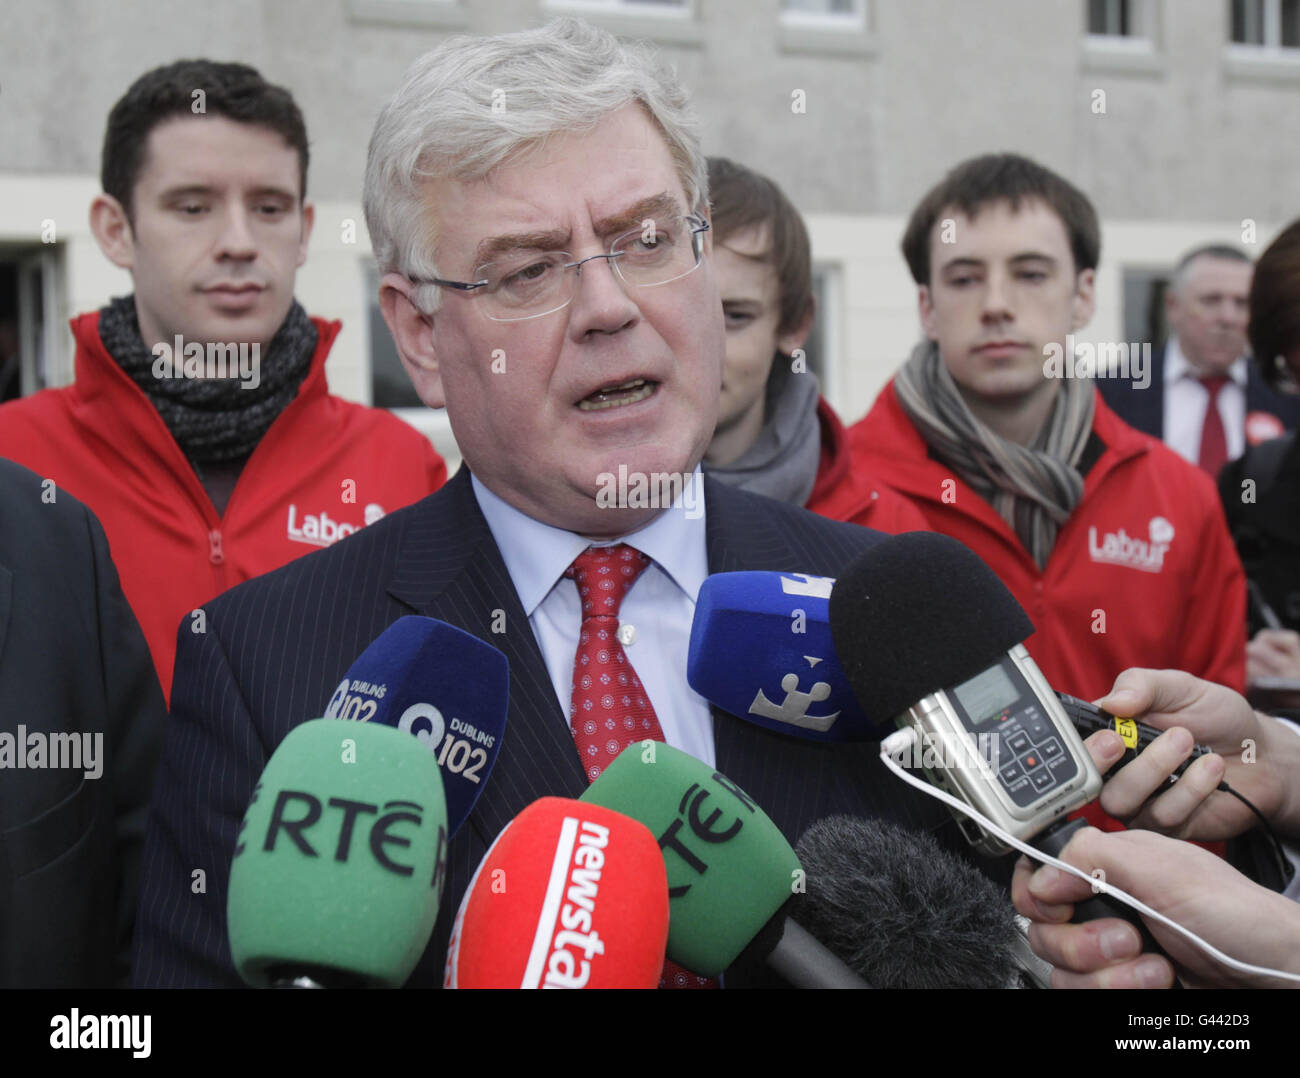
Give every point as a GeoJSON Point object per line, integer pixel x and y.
{"type": "Point", "coordinates": [1205, 400]}
{"type": "Point", "coordinates": [538, 204]}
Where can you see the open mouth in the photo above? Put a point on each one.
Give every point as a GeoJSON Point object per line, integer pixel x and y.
{"type": "Point", "coordinates": [632, 392]}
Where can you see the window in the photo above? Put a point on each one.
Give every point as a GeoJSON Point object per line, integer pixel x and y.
{"type": "Point", "coordinates": [819, 343]}
{"type": "Point", "coordinates": [33, 335]}
{"type": "Point", "coordinates": [1110, 18]}
{"type": "Point", "coordinates": [630, 7]}
{"type": "Point", "coordinates": [1144, 305]}
{"type": "Point", "coordinates": [389, 385]}
{"type": "Point", "coordinates": [433, 14]}
{"type": "Point", "coordinates": [1123, 36]}
{"type": "Point", "coordinates": [828, 14]}
{"type": "Point", "coordinates": [1266, 24]}
{"type": "Point", "coordinates": [1120, 23]}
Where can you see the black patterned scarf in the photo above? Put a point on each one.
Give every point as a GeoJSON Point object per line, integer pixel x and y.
{"type": "Point", "coordinates": [215, 421]}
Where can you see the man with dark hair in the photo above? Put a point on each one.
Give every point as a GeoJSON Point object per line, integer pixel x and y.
{"type": "Point", "coordinates": [776, 434]}
{"type": "Point", "coordinates": [200, 428]}
{"type": "Point", "coordinates": [1203, 398]}
{"type": "Point", "coordinates": [1114, 545]}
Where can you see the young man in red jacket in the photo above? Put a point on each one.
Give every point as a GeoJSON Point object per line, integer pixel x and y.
{"type": "Point", "coordinates": [200, 429]}
{"type": "Point", "coordinates": [1114, 545]}
{"type": "Point", "coordinates": [776, 434]}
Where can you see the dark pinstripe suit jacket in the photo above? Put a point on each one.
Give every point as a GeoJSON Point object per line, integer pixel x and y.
{"type": "Point", "coordinates": [276, 646]}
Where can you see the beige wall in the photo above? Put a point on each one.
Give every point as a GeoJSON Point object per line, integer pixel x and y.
{"type": "Point", "coordinates": [1193, 139]}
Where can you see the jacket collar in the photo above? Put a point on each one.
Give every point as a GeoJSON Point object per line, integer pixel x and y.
{"type": "Point", "coordinates": [113, 411]}
{"type": "Point", "coordinates": [912, 469]}
{"type": "Point", "coordinates": [833, 468]}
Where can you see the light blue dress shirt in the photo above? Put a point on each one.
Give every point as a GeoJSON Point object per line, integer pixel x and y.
{"type": "Point", "coordinates": [659, 606]}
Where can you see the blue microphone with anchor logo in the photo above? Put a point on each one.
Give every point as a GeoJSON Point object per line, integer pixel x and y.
{"type": "Point", "coordinates": [761, 650]}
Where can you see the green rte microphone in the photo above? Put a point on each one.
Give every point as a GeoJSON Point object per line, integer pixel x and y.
{"type": "Point", "coordinates": [339, 863]}
{"type": "Point", "coordinates": [730, 870]}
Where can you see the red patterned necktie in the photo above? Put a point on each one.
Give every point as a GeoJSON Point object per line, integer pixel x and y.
{"type": "Point", "coordinates": [1214, 440]}
{"type": "Point", "coordinates": [610, 709]}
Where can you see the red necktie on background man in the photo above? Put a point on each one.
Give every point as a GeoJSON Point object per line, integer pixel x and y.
{"type": "Point", "coordinates": [1214, 440]}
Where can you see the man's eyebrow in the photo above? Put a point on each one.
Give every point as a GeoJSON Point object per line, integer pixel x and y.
{"type": "Point", "coordinates": [976, 263]}
{"type": "Point", "coordinates": [203, 190]}
{"type": "Point", "coordinates": [490, 248]}
{"type": "Point", "coordinates": [272, 191]}
{"type": "Point", "coordinates": [187, 190]}
{"type": "Point", "coordinates": [658, 207]}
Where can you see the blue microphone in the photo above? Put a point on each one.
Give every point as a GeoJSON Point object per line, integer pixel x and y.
{"type": "Point", "coordinates": [761, 649]}
{"type": "Point", "coordinates": [448, 689]}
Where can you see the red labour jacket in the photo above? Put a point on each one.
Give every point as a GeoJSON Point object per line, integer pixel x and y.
{"type": "Point", "coordinates": [324, 469]}
{"type": "Point", "coordinates": [1142, 574]}
{"type": "Point", "coordinates": [845, 491]}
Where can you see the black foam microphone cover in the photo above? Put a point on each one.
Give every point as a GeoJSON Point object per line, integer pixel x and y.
{"type": "Point", "coordinates": [917, 613]}
{"type": "Point", "coordinates": [901, 911]}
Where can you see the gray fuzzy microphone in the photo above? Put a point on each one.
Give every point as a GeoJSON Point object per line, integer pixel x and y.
{"type": "Point", "coordinates": [902, 912]}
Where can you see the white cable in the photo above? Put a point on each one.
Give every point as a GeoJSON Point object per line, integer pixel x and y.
{"type": "Point", "coordinates": [902, 740]}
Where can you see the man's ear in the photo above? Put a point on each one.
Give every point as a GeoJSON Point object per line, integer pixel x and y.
{"type": "Point", "coordinates": [112, 230]}
{"type": "Point", "coordinates": [308, 219]}
{"type": "Point", "coordinates": [413, 334]}
{"type": "Point", "coordinates": [925, 305]}
{"type": "Point", "coordinates": [787, 343]}
{"type": "Point", "coordinates": [1084, 302]}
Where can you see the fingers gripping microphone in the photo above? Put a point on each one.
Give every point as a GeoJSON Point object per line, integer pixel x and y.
{"type": "Point", "coordinates": [570, 895]}
{"type": "Point", "coordinates": [447, 688]}
{"type": "Point", "coordinates": [931, 639]}
{"type": "Point", "coordinates": [339, 864]}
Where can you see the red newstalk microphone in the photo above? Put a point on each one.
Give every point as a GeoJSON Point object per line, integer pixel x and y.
{"type": "Point", "coordinates": [570, 895]}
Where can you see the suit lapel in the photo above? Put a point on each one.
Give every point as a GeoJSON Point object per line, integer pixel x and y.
{"type": "Point", "coordinates": [449, 568]}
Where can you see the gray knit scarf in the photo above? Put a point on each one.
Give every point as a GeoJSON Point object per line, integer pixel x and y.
{"type": "Point", "coordinates": [782, 463]}
{"type": "Point", "coordinates": [214, 420]}
{"type": "Point", "coordinates": [1033, 488]}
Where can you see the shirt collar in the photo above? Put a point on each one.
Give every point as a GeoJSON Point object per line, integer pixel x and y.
{"type": "Point", "coordinates": [536, 554]}
{"type": "Point", "coordinates": [1177, 366]}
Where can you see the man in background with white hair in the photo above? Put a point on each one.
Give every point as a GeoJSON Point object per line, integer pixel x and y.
{"type": "Point", "coordinates": [1204, 399]}
{"type": "Point", "coordinates": [538, 205]}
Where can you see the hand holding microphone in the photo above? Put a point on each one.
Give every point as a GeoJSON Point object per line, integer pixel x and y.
{"type": "Point", "coordinates": [1255, 755]}
{"type": "Point", "coordinates": [1192, 886]}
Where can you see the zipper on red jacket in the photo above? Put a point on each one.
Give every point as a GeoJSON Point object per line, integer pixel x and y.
{"type": "Point", "coordinates": [215, 554]}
